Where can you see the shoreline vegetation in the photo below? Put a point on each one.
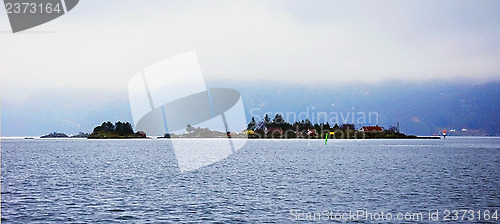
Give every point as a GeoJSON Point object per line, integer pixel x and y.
{"type": "Point", "coordinates": [304, 129]}
{"type": "Point", "coordinates": [119, 130]}
{"type": "Point", "coordinates": [62, 135]}
{"type": "Point", "coordinates": [276, 128]}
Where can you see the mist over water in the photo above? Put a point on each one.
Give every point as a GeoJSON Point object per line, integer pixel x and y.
{"type": "Point", "coordinates": [421, 108]}
{"type": "Point", "coordinates": [72, 180]}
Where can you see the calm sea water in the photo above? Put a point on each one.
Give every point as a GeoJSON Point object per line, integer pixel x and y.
{"type": "Point", "coordinates": [89, 181]}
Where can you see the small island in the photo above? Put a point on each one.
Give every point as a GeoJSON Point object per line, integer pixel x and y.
{"type": "Point", "coordinates": [119, 130]}
{"type": "Point", "coordinates": [305, 129]}
{"type": "Point", "coordinates": [55, 135]}
{"type": "Point", "coordinates": [62, 135]}
{"type": "Point", "coordinates": [197, 132]}
{"type": "Point", "coordinates": [278, 128]}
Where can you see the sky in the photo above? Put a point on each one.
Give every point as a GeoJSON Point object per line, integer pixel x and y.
{"type": "Point", "coordinates": [100, 45]}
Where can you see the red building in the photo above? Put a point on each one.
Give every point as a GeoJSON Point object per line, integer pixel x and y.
{"type": "Point", "coordinates": [372, 129]}
{"type": "Point", "coordinates": [141, 134]}
{"type": "Point", "coordinates": [274, 130]}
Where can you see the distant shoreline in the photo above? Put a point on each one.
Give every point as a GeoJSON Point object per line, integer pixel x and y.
{"type": "Point", "coordinates": [161, 138]}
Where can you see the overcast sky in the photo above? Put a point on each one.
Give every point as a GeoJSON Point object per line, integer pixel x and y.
{"type": "Point", "coordinates": [102, 44]}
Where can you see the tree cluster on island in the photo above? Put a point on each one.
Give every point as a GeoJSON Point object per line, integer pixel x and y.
{"type": "Point", "coordinates": [266, 128]}
{"type": "Point", "coordinates": [199, 132]}
{"type": "Point", "coordinates": [117, 130]}
{"type": "Point", "coordinates": [279, 128]}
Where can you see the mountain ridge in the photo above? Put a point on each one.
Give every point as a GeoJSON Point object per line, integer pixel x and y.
{"type": "Point", "coordinates": [421, 108]}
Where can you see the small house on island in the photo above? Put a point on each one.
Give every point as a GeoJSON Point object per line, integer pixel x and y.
{"type": "Point", "coordinates": [311, 132]}
{"type": "Point", "coordinates": [372, 129]}
{"type": "Point", "coordinates": [141, 134]}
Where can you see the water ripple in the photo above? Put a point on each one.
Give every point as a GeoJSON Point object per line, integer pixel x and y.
{"type": "Point", "coordinates": [54, 181]}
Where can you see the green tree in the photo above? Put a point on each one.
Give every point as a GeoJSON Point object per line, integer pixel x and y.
{"type": "Point", "coordinates": [123, 128]}
{"type": "Point", "coordinates": [267, 120]}
{"type": "Point", "coordinates": [278, 120]}
{"type": "Point", "coordinates": [98, 129]}
{"type": "Point", "coordinates": [127, 128]}
{"type": "Point", "coordinates": [307, 124]}
{"type": "Point", "coordinates": [327, 126]}
{"type": "Point", "coordinates": [119, 128]}
{"type": "Point", "coordinates": [108, 126]}
{"type": "Point", "coordinates": [252, 124]}
{"type": "Point", "coordinates": [189, 128]}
